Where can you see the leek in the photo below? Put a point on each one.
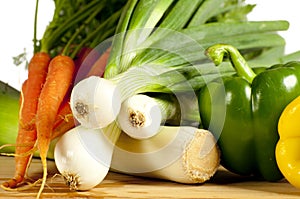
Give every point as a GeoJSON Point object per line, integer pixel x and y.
{"type": "Point", "coordinates": [181, 154]}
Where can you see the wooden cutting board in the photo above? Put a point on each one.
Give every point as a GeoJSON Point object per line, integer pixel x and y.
{"type": "Point", "coordinates": [223, 185]}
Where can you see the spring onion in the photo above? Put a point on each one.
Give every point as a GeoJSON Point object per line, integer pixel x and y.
{"type": "Point", "coordinates": [96, 101]}
{"type": "Point", "coordinates": [99, 95]}
{"type": "Point", "coordinates": [181, 154]}
{"type": "Point", "coordinates": [141, 115]}
{"type": "Point", "coordinates": [83, 155]}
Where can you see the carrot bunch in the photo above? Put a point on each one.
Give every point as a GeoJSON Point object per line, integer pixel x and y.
{"type": "Point", "coordinates": [27, 135]}
{"type": "Point", "coordinates": [42, 114]}
{"type": "Point", "coordinates": [45, 112]}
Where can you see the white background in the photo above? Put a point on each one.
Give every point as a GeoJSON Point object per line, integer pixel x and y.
{"type": "Point", "coordinates": [16, 21]}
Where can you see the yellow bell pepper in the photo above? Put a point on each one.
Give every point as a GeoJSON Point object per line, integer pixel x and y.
{"type": "Point", "coordinates": [288, 146]}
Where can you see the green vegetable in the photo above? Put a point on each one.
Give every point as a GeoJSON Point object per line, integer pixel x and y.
{"type": "Point", "coordinates": [9, 106]}
{"type": "Point", "coordinates": [242, 111]}
{"type": "Point", "coordinates": [148, 31]}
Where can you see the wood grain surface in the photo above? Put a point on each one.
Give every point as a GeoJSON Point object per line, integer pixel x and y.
{"type": "Point", "coordinates": [223, 185]}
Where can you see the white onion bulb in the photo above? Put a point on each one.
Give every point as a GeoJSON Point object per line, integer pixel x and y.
{"type": "Point", "coordinates": [83, 157]}
{"type": "Point", "coordinates": [140, 117]}
{"type": "Point", "coordinates": [95, 102]}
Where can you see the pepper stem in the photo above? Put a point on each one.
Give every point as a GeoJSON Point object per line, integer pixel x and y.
{"type": "Point", "coordinates": [216, 54]}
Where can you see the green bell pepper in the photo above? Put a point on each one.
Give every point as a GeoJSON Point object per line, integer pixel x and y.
{"type": "Point", "coordinates": [243, 110]}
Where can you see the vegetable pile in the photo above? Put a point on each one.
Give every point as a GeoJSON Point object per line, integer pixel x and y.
{"type": "Point", "coordinates": [128, 86]}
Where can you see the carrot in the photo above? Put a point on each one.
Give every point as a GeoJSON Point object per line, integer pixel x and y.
{"type": "Point", "coordinates": [58, 81]}
{"type": "Point", "coordinates": [27, 135]}
{"type": "Point", "coordinates": [98, 67]}
{"type": "Point", "coordinates": [64, 120]}
{"type": "Point", "coordinates": [37, 72]}
{"type": "Point", "coordinates": [84, 60]}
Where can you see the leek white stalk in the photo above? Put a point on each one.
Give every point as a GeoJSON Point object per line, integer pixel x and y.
{"type": "Point", "coordinates": [181, 154]}
{"type": "Point", "coordinates": [141, 116]}
{"type": "Point", "coordinates": [83, 155]}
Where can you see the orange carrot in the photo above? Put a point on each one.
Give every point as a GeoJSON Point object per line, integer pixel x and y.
{"type": "Point", "coordinates": [84, 60]}
{"type": "Point", "coordinates": [64, 121]}
{"type": "Point", "coordinates": [58, 81]}
{"type": "Point", "coordinates": [37, 72]}
{"type": "Point", "coordinates": [98, 67]}
{"type": "Point", "coordinates": [31, 89]}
